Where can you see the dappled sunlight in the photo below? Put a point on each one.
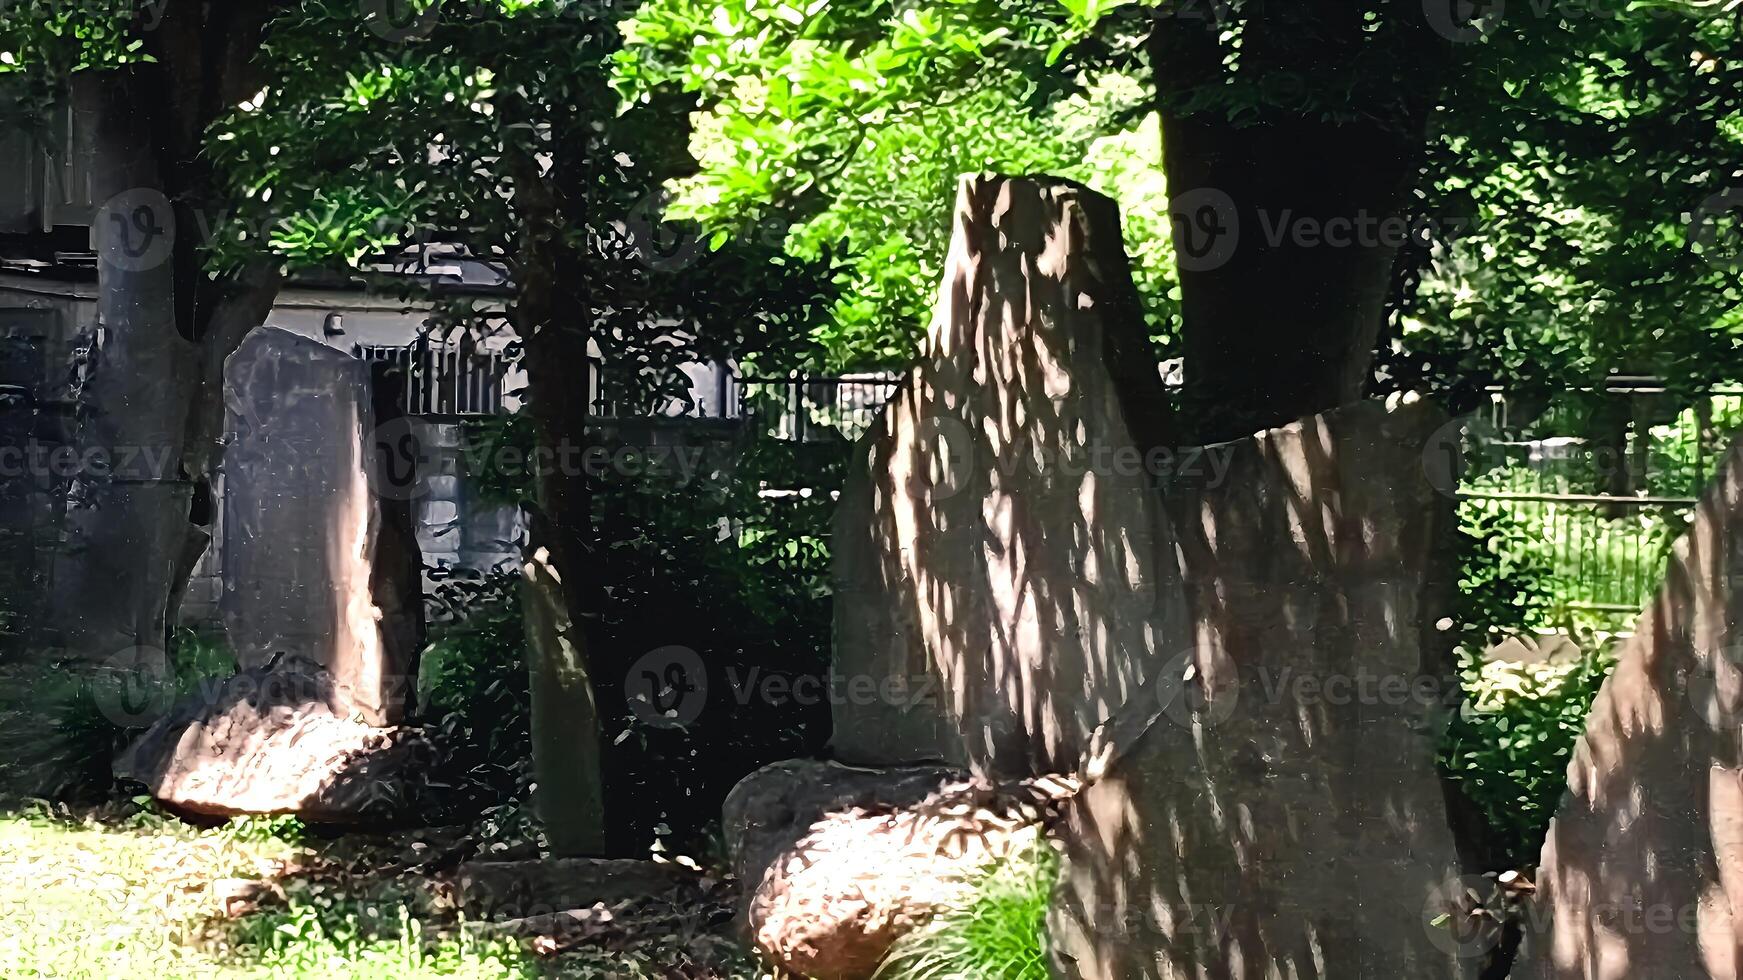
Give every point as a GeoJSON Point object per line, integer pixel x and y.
{"type": "Point", "coordinates": [1178, 634]}
{"type": "Point", "coordinates": [1643, 869]}
{"type": "Point", "coordinates": [1005, 556]}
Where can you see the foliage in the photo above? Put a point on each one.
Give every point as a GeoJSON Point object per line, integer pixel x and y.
{"type": "Point", "coordinates": [738, 579]}
{"type": "Point", "coordinates": [998, 933]}
{"type": "Point", "coordinates": [473, 689]}
{"type": "Point", "coordinates": [321, 937]}
{"type": "Point", "coordinates": [81, 717]}
{"type": "Point", "coordinates": [1505, 587]}
{"type": "Point", "coordinates": [1509, 745]}
{"type": "Point", "coordinates": [262, 829]}
{"type": "Point", "coordinates": [1584, 167]}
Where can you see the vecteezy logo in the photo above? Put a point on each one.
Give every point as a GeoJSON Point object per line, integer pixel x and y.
{"type": "Point", "coordinates": [1467, 445]}
{"type": "Point", "coordinates": [667, 687]}
{"type": "Point", "coordinates": [401, 20]}
{"type": "Point", "coordinates": [1186, 696]}
{"type": "Point", "coordinates": [1462, 916]}
{"type": "Point", "coordinates": [947, 448]}
{"type": "Point", "coordinates": [1715, 230]}
{"type": "Point", "coordinates": [1461, 21]}
{"type": "Point", "coordinates": [135, 687]}
{"type": "Point", "coordinates": [1206, 228]}
{"type": "Point", "coordinates": [402, 463]}
{"type": "Point", "coordinates": [135, 230]}
{"type": "Point", "coordinates": [660, 245]}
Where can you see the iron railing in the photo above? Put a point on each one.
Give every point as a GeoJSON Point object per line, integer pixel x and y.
{"type": "Point", "coordinates": [1605, 479]}
{"type": "Point", "coordinates": [446, 381]}
{"type": "Point", "coordinates": [803, 409]}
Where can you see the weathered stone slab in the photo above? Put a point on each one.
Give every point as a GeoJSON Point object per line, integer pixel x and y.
{"type": "Point", "coordinates": [1642, 874]}
{"type": "Point", "coordinates": [1272, 808]}
{"type": "Point", "coordinates": [1239, 647]}
{"type": "Point", "coordinates": [1001, 573]}
{"type": "Point", "coordinates": [320, 555]}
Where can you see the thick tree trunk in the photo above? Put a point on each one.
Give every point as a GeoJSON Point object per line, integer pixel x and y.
{"type": "Point", "coordinates": [565, 721]}
{"type": "Point", "coordinates": [1287, 214]}
{"type": "Point", "coordinates": [122, 536]}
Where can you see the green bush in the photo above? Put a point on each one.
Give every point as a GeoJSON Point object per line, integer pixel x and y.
{"type": "Point", "coordinates": [1509, 745]}
{"type": "Point", "coordinates": [999, 933]}
{"type": "Point", "coordinates": [473, 689]}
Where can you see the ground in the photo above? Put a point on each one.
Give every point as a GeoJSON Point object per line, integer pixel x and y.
{"type": "Point", "coordinates": [129, 892]}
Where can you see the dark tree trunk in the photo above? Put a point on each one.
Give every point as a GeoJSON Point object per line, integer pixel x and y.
{"type": "Point", "coordinates": [552, 323]}
{"type": "Point", "coordinates": [156, 389]}
{"type": "Point", "coordinates": [1287, 214]}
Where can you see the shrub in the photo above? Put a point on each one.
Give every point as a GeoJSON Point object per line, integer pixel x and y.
{"type": "Point", "coordinates": [998, 933]}
{"type": "Point", "coordinates": [1509, 745]}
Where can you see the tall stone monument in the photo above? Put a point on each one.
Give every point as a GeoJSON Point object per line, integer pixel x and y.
{"type": "Point", "coordinates": [1239, 649]}
{"type": "Point", "coordinates": [321, 559]}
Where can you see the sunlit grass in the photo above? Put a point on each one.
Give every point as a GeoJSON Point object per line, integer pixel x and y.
{"type": "Point", "coordinates": [997, 933]}
{"type": "Point", "coordinates": [143, 896]}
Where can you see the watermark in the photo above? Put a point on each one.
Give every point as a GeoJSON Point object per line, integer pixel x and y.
{"type": "Point", "coordinates": [146, 15]}
{"type": "Point", "coordinates": [402, 21]}
{"type": "Point", "coordinates": [1715, 230]}
{"type": "Point", "coordinates": [665, 245]}
{"type": "Point", "coordinates": [135, 230]}
{"type": "Point", "coordinates": [667, 687]}
{"type": "Point", "coordinates": [406, 461]}
{"type": "Point", "coordinates": [1208, 229]}
{"type": "Point", "coordinates": [135, 687]}
{"type": "Point", "coordinates": [1464, 21]}
{"type": "Point", "coordinates": [857, 690]}
{"type": "Point", "coordinates": [1206, 226]}
{"type": "Point", "coordinates": [35, 459]}
{"type": "Point", "coordinates": [951, 453]}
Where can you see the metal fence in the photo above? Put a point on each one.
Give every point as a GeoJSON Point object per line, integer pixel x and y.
{"type": "Point", "coordinates": [1599, 483]}
{"type": "Point", "coordinates": [814, 409]}
{"type": "Point", "coordinates": [446, 380]}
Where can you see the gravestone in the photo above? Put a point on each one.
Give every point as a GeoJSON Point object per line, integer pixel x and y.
{"type": "Point", "coordinates": [1272, 807]}
{"type": "Point", "coordinates": [1001, 575]}
{"type": "Point", "coordinates": [320, 555]}
{"type": "Point", "coordinates": [1642, 873]}
{"type": "Point", "coordinates": [1239, 648]}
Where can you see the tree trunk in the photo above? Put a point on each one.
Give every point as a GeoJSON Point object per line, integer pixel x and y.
{"type": "Point", "coordinates": [122, 536]}
{"type": "Point", "coordinates": [1287, 214]}
{"type": "Point", "coordinates": [565, 720]}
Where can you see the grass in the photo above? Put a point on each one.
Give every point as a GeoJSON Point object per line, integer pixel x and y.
{"type": "Point", "coordinates": [996, 934]}
{"type": "Point", "coordinates": [141, 895]}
